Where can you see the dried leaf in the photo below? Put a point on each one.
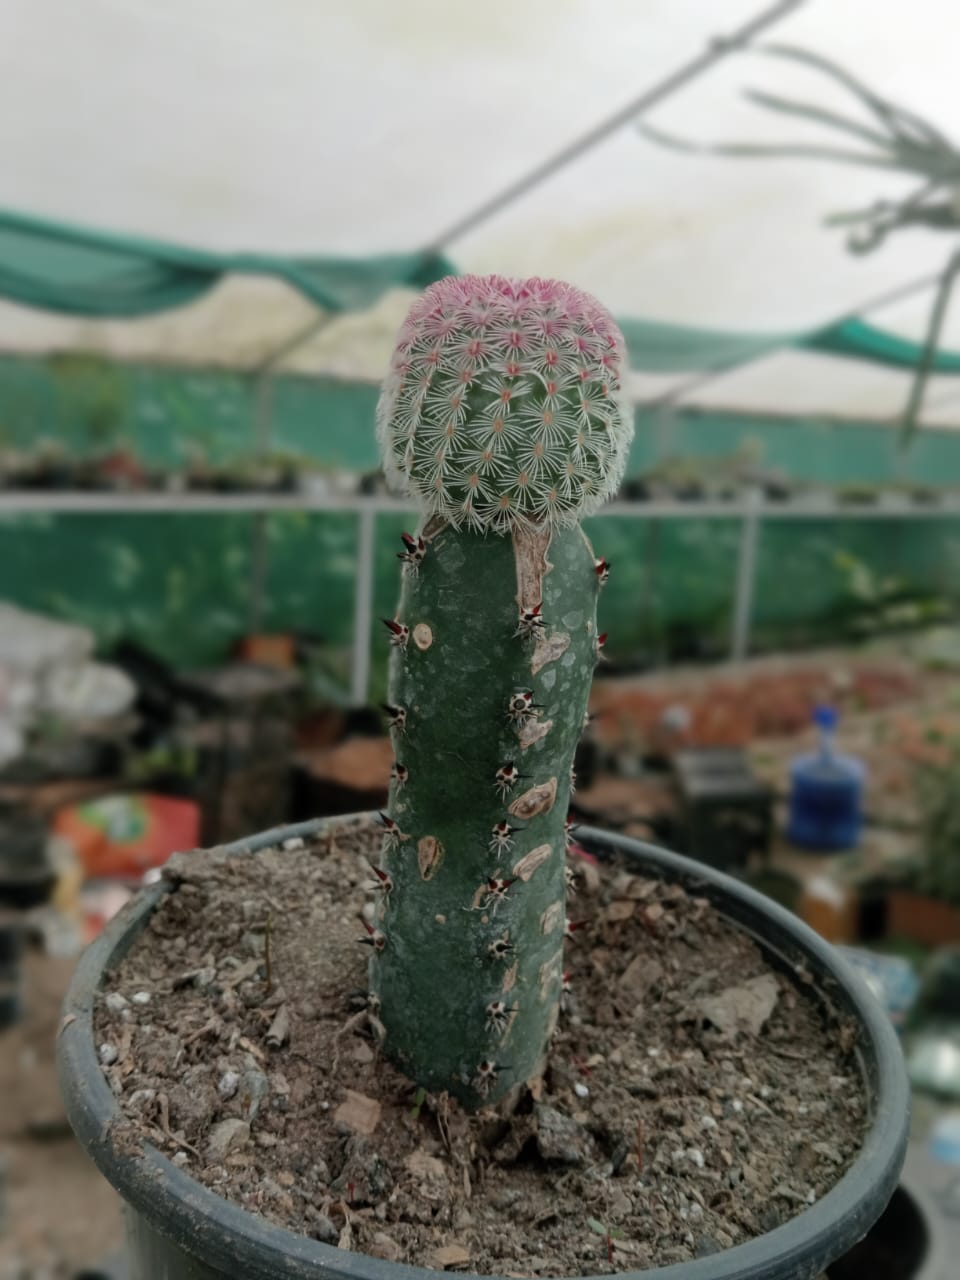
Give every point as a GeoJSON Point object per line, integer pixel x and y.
{"type": "Point", "coordinates": [423, 1165]}
{"type": "Point", "coordinates": [279, 1030]}
{"type": "Point", "coordinates": [619, 911]}
{"type": "Point", "coordinates": [241, 973]}
{"type": "Point", "coordinates": [246, 1043]}
{"type": "Point", "coordinates": [451, 1256]}
{"type": "Point", "coordinates": [639, 976]}
{"type": "Point", "coordinates": [743, 1008]}
{"type": "Point", "coordinates": [640, 889]}
{"type": "Point", "coordinates": [385, 1247]}
{"type": "Point", "coordinates": [589, 874]}
{"type": "Point", "coordinates": [358, 1113]}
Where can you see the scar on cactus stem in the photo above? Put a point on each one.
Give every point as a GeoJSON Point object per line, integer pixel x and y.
{"type": "Point", "coordinates": [503, 418]}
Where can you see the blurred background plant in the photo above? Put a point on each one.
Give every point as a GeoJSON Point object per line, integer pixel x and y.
{"type": "Point", "coordinates": [897, 140]}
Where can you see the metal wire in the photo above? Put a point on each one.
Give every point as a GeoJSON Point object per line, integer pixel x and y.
{"type": "Point", "coordinates": [669, 398]}
{"type": "Point", "coordinates": [717, 49]}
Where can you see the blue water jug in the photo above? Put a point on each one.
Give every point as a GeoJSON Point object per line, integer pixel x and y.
{"type": "Point", "coordinates": [826, 792]}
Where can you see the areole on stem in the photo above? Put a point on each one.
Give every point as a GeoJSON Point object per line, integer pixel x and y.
{"type": "Point", "coordinates": [504, 418]}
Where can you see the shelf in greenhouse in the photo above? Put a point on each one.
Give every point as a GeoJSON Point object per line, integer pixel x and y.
{"type": "Point", "coordinates": [24, 502]}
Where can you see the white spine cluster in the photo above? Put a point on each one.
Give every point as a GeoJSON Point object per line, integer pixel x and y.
{"type": "Point", "coordinates": [504, 406]}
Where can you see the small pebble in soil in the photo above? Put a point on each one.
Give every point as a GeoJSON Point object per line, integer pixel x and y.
{"type": "Point", "coordinates": [228, 1084]}
{"type": "Point", "coordinates": [141, 997]}
{"type": "Point", "coordinates": [108, 1053]}
{"type": "Point", "coordinates": [385, 1247]}
{"type": "Point", "coordinates": [115, 1002]}
{"type": "Point", "coordinates": [225, 1136]}
{"type": "Point", "coordinates": [254, 1087]}
{"type": "Point", "coordinates": [322, 1229]}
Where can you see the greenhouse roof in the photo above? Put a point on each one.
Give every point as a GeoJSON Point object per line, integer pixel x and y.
{"type": "Point", "coordinates": [333, 145]}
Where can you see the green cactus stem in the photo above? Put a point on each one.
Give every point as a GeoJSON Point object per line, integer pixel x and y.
{"type": "Point", "coordinates": [503, 416]}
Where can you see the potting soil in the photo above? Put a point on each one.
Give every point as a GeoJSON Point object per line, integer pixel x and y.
{"type": "Point", "coordinates": [694, 1097]}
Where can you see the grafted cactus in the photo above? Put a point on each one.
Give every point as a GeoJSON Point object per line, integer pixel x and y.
{"type": "Point", "coordinates": [503, 416]}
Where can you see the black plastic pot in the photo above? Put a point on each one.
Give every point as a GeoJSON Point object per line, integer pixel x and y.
{"type": "Point", "coordinates": [906, 1243]}
{"type": "Point", "coordinates": [179, 1230]}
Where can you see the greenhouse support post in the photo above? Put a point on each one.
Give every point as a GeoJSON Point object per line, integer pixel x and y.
{"type": "Point", "coordinates": [363, 604]}
{"type": "Point", "coordinates": [746, 573]}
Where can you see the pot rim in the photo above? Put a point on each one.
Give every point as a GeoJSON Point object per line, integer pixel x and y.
{"type": "Point", "coordinates": [800, 1247]}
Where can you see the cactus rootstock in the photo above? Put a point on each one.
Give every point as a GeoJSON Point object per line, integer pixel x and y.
{"type": "Point", "coordinates": [503, 417]}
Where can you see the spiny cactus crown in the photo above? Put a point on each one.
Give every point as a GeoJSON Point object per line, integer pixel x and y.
{"type": "Point", "coordinates": [503, 405]}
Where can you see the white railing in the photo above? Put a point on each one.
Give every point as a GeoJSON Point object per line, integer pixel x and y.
{"type": "Point", "coordinates": [751, 508]}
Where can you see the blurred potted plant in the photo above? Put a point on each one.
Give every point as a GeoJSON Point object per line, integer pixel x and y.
{"type": "Point", "coordinates": [891, 138]}
{"type": "Point", "coordinates": [927, 908]}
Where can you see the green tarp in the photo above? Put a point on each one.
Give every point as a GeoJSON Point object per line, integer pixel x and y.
{"type": "Point", "coordinates": [75, 271]}
{"type": "Point", "coordinates": [668, 348]}
{"type": "Point", "coordinates": [88, 273]}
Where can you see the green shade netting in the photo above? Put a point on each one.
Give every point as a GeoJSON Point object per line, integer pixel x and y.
{"type": "Point", "coordinates": [670, 348]}
{"type": "Point", "coordinates": [861, 341]}
{"type": "Point", "coordinates": [89, 273]}
{"type": "Point", "coordinates": [75, 271]}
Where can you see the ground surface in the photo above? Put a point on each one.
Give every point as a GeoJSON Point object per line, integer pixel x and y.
{"type": "Point", "coordinates": [59, 1215]}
